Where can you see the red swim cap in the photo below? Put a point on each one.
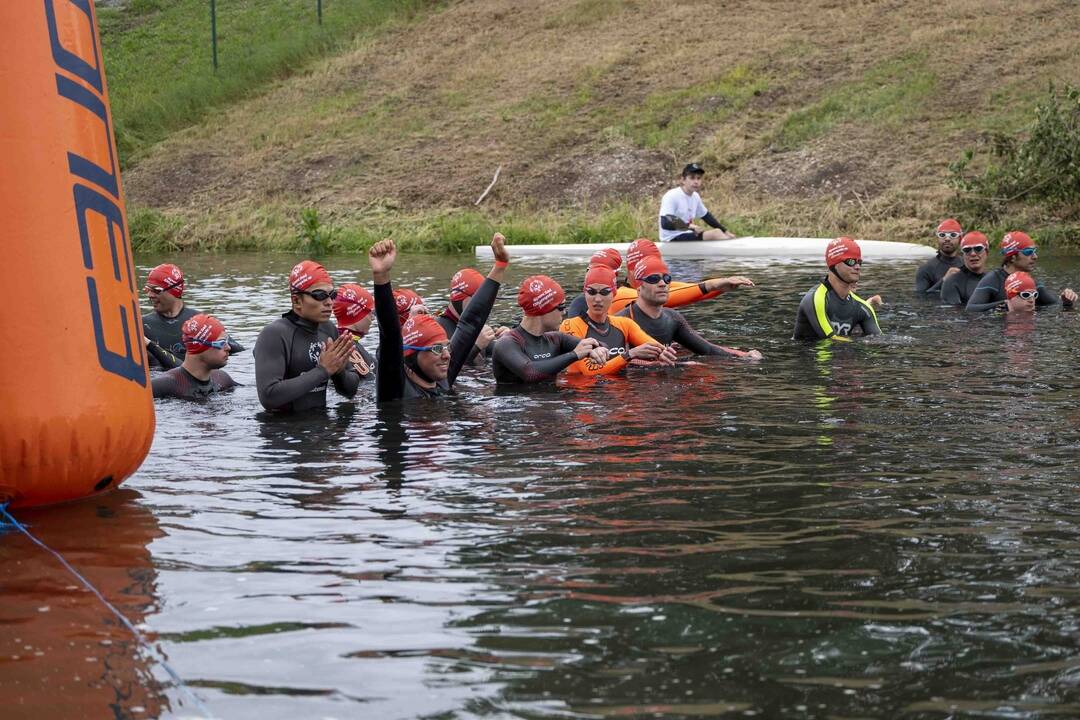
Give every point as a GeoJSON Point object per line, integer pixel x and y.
{"type": "Point", "coordinates": [649, 265]}
{"type": "Point", "coordinates": [464, 284]}
{"type": "Point", "coordinates": [949, 225]}
{"type": "Point", "coordinates": [205, 328]}
{"type": "Point", "coordinates": [975, 238]}
{"type": "Point", "coordinates": [600, 275]}
{"type": "Point", "coordinates": [1014, 242]}
{"type": "Point", "coordinates": [608, 257]}
{"type": "Point", "coordinates": [841, 249]}
{"type": "Point", "coordinates": [404, 299]}
{"type": "Point", "coordinates": [307, 273]}
{"type": "Point", "coordinates": [422, 330]}
{"type": "Point", "coordinates": [639, 249]}
{"type": "Point", "coordinates": [352, 304]}
{"type": "Point", "coordinates": [539, 295]}
{"type": "Point", "coordinates": [168, 277]}
{"type": "Point", "coordinates": [1017, 283]}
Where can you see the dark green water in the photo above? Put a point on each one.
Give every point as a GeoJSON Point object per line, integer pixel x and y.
{"type": "Point", "coordinates": [878, 529]}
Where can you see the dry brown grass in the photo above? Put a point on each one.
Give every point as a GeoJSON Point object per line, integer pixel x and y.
{"type": "Point", "coordinates": [550, 90]}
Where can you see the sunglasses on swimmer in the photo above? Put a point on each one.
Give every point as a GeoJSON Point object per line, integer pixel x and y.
{"type": "Point", "coordinates": [973, 249]}
{"type": "Point", "coordinates": [598, 291]}
{"type": "Point", "coordinates": [436, 349]}
{"type": "Point", "coordinates": [1028, 294]}
{"type": "Point", "coordinates": [655, 278]}
{"type": "Point", "coordinates": [318, 295]}
{"type": "Point", "coordinates": [949, 234]}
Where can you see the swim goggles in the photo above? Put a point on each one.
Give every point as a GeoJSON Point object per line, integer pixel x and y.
{"type": "Point", "coordinates": [1026, 252]}
{"type": "Point", "coordinates": [973, 249]}
{"type": "Point", "coordinates": [158, 290]}
{"type": "Point", "coordinates": [1028, 294]}
{"type": "Point", "coordinates": [598, 291]}
{"type": "Point", "coordinates": [852, 262]}
{"type": "Point", "coordinates": [436, 349]}
{"type": "Point", "coordinates": [318, 295]}
{"type": "Point", "coordinates": [950, 234]}
{"type": "Point", "coordinates": [219, 344]}
{"type": "Point", "coordinates": [656, 278]}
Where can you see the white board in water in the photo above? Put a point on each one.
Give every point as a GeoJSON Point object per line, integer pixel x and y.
{"type": "Point", "coordinates": [781, 248]}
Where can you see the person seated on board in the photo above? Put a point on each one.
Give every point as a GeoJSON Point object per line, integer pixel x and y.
{"type": "Point", "coordinates": [957, 288]}
{"type": "Point", "coordinates": [417, 360]}
{"type": "Point", "coordinates": [534, 350]}
{"type": "Point", "coordinates": [664, 324]}
{"type": "Point", "coordinates": [623, 338]}
{"type": "Point", "coordinates": [682, 205]}
{"type": "Point", "coordinates": [298, 354]}
{"type": "Point", "coordinates": [1019, 254]}
{"type": "Point", "coordinates": [679, 293]}
{"type": "Point", "coordinates": [161, 326]}
{"type": "Point", "coordinates": [945, 263]}
{"type": "Point", "coordinates": [352, 310]}
{"type": "Point", "coordinates": [463, 286]}
{"type": "Point", "coordinates": [207, 351]}
{"type": "Point", "coordinates": [832, 309]}
{"type": "Point", "coordinates": [1021, 293]}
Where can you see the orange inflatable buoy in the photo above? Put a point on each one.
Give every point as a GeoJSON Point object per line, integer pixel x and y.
{"type": "Point", "coordinates": [76, 412]}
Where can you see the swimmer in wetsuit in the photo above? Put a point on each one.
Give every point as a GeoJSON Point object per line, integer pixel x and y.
{"type": "Point", "coordinates": [664, 324]}
{"type": "Point", "coordinates": [463, 286]}
{"type": "Point", "coordinates": [679, 293]}
{"type": "Point", "coordinates": [929, 276]}
{"type": "Point", "coordinates": [832, 310]}
{"type": "Point", "coordinates": [1020, 254]}
{"type": "Point", "coordinates": [352, 310]}
{"type": "Point", "coordinates": [682, 205]}
{"type": "Point", "coordinates": [300, 353]}
{"type": "Point", "coordinates": [1021, 293]}
{"type": "Point", "coordinates": [161, 326]}
{"type": "Point", "coordinates": [200, 374]}
{"type": "Point", "coordinates": [534, 350]}
{"type": "Point", "coordinates": [417, 360]}
{"type": "Point", "coordinates": [957, 288]}
{"type": "Point", "coordinates": [622, 337]}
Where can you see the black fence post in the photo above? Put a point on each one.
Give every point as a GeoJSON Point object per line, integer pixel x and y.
{"type": "Point", "coordinates": [319, 9]}
{"type": "Point", "coordinates": [213, 30]}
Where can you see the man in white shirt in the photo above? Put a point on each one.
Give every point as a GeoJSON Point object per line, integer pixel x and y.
{"type": "Point", "coordinates": [682, 205]}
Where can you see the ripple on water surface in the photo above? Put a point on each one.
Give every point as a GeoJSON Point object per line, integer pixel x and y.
{"type": "Point", "coordinates": [873, 529]}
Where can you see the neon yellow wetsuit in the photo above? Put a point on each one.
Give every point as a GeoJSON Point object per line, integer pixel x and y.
{"type": "Point", "coordinates": [824, 314]}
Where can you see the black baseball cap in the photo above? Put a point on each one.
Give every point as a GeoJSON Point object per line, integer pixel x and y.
{"type": "Point", "coordinates": [693, 169]}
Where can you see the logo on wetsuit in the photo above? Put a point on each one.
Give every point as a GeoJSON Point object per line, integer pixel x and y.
{"type": "Point", "coordinates": [314, 351]}
{"type": "Point", "coordinates": [843, 329]}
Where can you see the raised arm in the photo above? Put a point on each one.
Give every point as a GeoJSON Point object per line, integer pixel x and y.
{"type": "Point", "coordinates": [476, 314]}
{"type": "Point", "coordinates": [390, 375]}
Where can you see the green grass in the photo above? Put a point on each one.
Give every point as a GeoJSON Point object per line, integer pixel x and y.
{"type": "Point", "coordinates": [890, 92]}
{"type": "Point", "coordinates": [159, 62]}
{"type": "Point", "coordinates": [667, 119]}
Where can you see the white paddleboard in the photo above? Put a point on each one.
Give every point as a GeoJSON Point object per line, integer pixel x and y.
{"type": "Point", "coordinates": [781, 248]}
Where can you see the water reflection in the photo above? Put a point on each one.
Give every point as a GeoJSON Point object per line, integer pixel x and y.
{"type": "Point", "coordinates": [867, 529]}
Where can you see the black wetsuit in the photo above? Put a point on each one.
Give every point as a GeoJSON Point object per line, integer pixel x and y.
{"type": "Point", "coordinates": [287, 371]}
{"type": "Point", "coordinates": [165, 331]}
{"type": "Point", "coordinates": [841, 315]}
{"type": "Point", "coordinates": [449, 325]}
{"type": "Point", "coordinates": [392, 383]}
{"type": "Point", "coordinates": [671, 327]}
{"type": "Point", "coordinates": [179, 383]}
{"type": "Point", "coordinates": [521, 357]}
{"type": "Point", "coordinates": [958, 288]}
{"type": "Point", "coordinates": [990, 292]}
{"type": "Point", "coordinates": [928, 277]}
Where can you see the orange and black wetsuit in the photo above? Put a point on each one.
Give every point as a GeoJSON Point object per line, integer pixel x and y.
{"type": "Point", "coordinates": [617, 334]}
{"type": "Point", "coordinates": [679, 294]}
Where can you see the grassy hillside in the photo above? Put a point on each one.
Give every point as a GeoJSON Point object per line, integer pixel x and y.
{"type": "Point", "coordinates": [814, 118]}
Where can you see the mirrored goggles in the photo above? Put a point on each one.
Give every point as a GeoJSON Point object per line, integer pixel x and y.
{"type": "Point", "coordinates": [655, 278]}
{"type": "Point", "coordinates": [852, 262]}
{"type": "Point", "coordinates": [436, 349]}
{"type": "Point", "coordinates": [219, 344]}
{"type": "Point", "coordinates": [973, 249]}
{"type": "Point", "coordinates": [318, 295]}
